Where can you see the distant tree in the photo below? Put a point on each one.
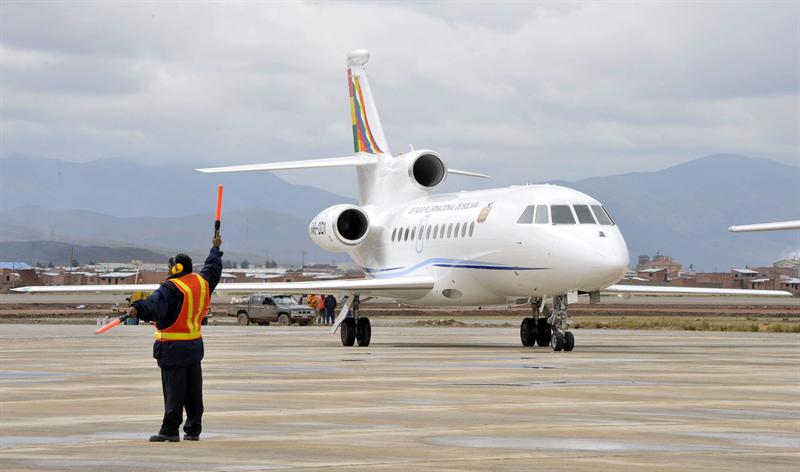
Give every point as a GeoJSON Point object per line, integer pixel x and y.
{"type": "Point", "coordinates": [227, 264]}
{"type": "Point", "coordinates": [74, 263]}
{"type": "Point", "coordinates": [39, 265]}
{"type": "Point", "coordinates": [91, 263]}
{"type": "Point", "coordinates": [50, 265]}
{"type": "Point", "coordinates": [245, 264]}
{"type": "Point", "coordinates": [270, 264]}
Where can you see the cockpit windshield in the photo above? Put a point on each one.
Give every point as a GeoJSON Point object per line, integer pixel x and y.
{"type": "Point", "coordinates": [584, 214]}
{"type": "Point", "coordinates": [602, 216]}
{"type": "Point", "coordinates": [562, 215]}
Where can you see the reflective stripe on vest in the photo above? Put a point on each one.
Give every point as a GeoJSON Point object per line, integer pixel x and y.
{"type": "Point", "coordinates": [195, 303]}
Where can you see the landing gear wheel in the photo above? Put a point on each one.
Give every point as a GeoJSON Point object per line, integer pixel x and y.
{"type": "Point", "coordinates": [527, 332]}
{"type": "Point", "coordinates": [557, 343]}
{"type": "Point", "coordinates": [242, 319]}
{"type": "Point", "coordinates": [363, 331]}
{"type": "Point", "coordinates": [348, 332]}
{"type": "Point", "coordinates": [569, 341]}
{"type": "Point", "coordinates": [544, 333]}
{"type": "Point", "coordinates": [284, 320]}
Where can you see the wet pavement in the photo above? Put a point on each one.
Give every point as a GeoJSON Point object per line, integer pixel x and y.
{"type": "Point", "coordinates": [417, 399]}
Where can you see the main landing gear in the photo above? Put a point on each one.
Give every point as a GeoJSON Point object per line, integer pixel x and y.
{"type": "Point", "coordinates": [551, 329]}
{"type": "Point", "coordinates": [356, 329]}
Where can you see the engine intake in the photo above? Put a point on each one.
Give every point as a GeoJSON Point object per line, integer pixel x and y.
{"type": "Point", "coordinates": [428, 171]}
{"type": "Point", "coordinates": [352, 224]}
{"type": "Point", "coordinates": [339, 228]}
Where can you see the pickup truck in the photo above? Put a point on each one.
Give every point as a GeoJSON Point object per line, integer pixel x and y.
{"type": "Point", "coordinates": [261, 308]}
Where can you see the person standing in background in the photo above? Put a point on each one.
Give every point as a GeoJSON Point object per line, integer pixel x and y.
{"type": "Point", "coordinates": [330, 309]}
{"type": "Point", "coordinates": [321, 308]}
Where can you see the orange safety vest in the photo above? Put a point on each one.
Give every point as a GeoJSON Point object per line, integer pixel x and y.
{"type": "Point", "coordinates": [195, 303]}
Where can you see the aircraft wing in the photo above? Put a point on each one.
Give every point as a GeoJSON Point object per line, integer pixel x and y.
{"type": "Point", "coordinates": [776, 226]}
{"type": "Point", "coordinates": [663, 290]}
{"type": "Point", "coordinates": [406, 286]}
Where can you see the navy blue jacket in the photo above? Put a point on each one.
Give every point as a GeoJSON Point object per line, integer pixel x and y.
{"type": "Point", "coordinates": [163, 308]}
{"type": "Point", "coordinates": [330, 302]}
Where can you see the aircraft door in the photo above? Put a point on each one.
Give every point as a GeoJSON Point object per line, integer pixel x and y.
{"type": "Point", "coordinates": [421, 228]}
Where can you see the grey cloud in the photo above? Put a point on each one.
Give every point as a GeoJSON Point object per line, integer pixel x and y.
{"type": "Point", "coordinates": [549, 91]}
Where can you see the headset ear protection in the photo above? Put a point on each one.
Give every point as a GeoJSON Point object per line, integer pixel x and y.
{"type": "Point", "coordinates": [175, 268]}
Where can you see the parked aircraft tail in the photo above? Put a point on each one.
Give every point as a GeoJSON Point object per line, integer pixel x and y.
{"type": "Point", "coordinates": [368, 134]}
{"type": "Point", "coordinates": [371, 158]}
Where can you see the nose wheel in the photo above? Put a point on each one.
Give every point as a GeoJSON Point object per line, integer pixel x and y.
{"type": "Point", "coordinates": [551, 329]}
{"type": "Point", "coordinates": [562, 338]}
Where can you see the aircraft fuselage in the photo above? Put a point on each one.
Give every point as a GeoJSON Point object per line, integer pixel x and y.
{"type": "Point", "coordinates": [481, 249]}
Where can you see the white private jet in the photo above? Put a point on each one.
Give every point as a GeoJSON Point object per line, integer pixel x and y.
{"type": "Point", "coordinates": [520, 244]}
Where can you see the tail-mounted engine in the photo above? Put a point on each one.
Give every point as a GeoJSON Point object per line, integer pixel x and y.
{"type": "Point", "coordinates": [339, 228]}
{"type": "Point", "coordinates": [426, 170]}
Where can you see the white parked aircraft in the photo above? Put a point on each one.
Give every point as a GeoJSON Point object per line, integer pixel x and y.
{"type": "Point", "coordinates": [520, 244]}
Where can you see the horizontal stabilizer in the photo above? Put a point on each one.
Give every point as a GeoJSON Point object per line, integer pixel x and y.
{"type": "Point", "coordinates": [347, 161]}
{"type": "Point", "coordinates": [700, 291]}
{"type": "Point", "coordinates": [467, 173]}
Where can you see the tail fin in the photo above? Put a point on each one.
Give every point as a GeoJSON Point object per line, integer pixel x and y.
{"type": "Point", "coordinates": [367, 130]}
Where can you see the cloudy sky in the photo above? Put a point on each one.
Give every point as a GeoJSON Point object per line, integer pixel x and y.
{"type": "Point", "coordinates": [523, 92]}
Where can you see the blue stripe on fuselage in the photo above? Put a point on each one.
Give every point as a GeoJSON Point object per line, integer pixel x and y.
{"type": "Point", "coordinates": [441, 262]}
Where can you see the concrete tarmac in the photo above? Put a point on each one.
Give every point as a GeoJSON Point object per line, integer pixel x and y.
{"type": "Point", "coordinates": [417, 399]}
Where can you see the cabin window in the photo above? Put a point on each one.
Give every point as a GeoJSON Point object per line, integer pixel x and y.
{"type": "Point", "coordinates": [441, 233]}
{"type": "Point", "coordinates": [584, 214]}
{"type": "Point", "coordinates": [526, 217]}
{"type": "Point", "coordinates": [562, 215]}
{"type": "Point", "coordinates": [471, 229]}
{"type": "Point", "coordinates": [601, 216]}
{"type": "Point", "coordinates": [405, 237]}
{"type": "Point", "coordinates": [455, 233]}
{"type": "Point", "coordinates": [428, 232]}
{"type": "Point", "coordinates": [542, 215]}
{"type": "Point", "coordinates": [394, 232]}
{"type": "Point", "coordinates": [413, 232]}
{"type": "Point", "coordinates": [449, 230]}
{"type": "Point", "coordinates": [464, 230]}
{"type": "Point", "coordinates": [435, 231]}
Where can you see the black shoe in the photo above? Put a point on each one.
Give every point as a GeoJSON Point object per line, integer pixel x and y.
{"type": "Point", "coordinates": [191, 437]}
{"type": "Point", "coordinates": [162, 438]}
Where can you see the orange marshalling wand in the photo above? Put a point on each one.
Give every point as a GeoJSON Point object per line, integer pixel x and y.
{"type": "Point", "coordinates": [219, 211]}
{"type": "Point", "coordinates": [114, 323]}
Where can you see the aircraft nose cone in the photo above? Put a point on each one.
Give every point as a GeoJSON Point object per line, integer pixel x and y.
{"type": "Point", "coordinates": [609, 261]}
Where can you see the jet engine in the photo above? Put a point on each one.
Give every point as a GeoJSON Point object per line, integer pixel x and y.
{"type": "Point", "coordinates": [426, 169]}
{"type": "Point", "coordinates": [339, 228]}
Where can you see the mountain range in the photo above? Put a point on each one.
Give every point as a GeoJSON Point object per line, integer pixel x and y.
{"type": "Point", "coordinates": [682, 211]}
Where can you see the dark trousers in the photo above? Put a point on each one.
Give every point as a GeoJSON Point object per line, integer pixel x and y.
{"type": "Point", "coordinates": [183, 388]}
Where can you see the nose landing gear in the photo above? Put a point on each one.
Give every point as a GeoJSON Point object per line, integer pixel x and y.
{"type": "Point", "coordinates": [552, 329]}
{"type": "Point", "coordinates": [562, 337]}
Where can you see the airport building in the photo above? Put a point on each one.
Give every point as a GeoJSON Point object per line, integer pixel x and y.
{"type": "Point", "coordinates": [666, 271]}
